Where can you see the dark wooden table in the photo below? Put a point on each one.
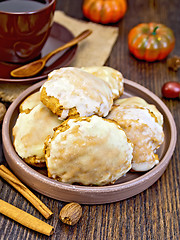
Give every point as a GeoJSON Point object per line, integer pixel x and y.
{"type": "Point", "coordinates": [152, 214]}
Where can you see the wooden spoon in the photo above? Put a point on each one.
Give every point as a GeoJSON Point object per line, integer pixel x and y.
{"type": "Point", "coordinates": [35, 67]}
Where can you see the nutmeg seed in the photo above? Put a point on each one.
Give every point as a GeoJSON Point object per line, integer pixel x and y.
{"type": "Point", "coordinates": [71, 213]}
{"type": "Point", "coordinates": [2, 111]}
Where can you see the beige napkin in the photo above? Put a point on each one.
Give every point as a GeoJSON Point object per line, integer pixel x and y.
{"type": "Point", "coordinates": [92, 51]}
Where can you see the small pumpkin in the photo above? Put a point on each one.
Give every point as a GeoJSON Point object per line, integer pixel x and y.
{"type": "Point", "coordinates": [104, 11]}
{"type": "Point", "coordinates": [151, 41]}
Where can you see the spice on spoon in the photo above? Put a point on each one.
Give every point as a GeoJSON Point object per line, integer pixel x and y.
{"type": "Point", "coordinates": [71, 213]}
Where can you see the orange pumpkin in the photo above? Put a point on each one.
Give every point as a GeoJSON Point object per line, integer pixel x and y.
{"type": "Point", "coordinates": [104, 11]}
{"type": "Point", "coordinates": [151, 41]}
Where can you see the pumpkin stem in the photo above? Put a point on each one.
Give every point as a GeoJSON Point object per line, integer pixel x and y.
{"type": "Point", "coordinates": [154, 31]}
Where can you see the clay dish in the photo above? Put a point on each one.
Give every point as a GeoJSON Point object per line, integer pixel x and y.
{"type": "Point", "coordinates": [126, 187]}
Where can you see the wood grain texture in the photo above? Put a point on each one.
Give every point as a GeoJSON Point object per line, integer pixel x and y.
{"type": "Point", "coordinates": [153, 214]}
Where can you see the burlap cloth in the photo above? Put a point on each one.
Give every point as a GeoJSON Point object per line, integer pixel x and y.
{"type": "Point", "coordinates": [92, 51]}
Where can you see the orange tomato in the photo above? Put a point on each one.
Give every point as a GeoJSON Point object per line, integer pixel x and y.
{"type": "Point", "coordinates": [104, 11]}
{"type": "Point", "coordinates": [151, 41]}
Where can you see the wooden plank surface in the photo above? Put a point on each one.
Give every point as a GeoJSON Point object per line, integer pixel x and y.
{"type": "Point", "coordinates": [152, 214]}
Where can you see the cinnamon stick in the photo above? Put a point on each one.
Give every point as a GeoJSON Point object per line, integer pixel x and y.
{"type": "Point", "coordinates": [20, 187]}
{"type": "Point", "coordinates": [25, 218]}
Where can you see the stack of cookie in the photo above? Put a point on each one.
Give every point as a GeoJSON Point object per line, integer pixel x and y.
{"type": "Point", "coordinates": [78, 128]}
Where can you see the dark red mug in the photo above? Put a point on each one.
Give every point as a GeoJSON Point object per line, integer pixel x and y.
{"type": "Point", "coordinates": [23, 34]}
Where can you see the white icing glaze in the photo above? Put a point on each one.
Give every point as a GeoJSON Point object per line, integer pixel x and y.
{"type": "Point", "coordinates": [30, 102]}
{"type": "Point", "coordinates": [143, 115]}
{"type": "Point", "coordinates": [143, 166]}
{"type": "Point", "coordinates": [113, 77]}
{"type": "Point", "coordinates": [64, 114]}
{"type": "Point", "coordinates": [142, 128]}
{"type": "Point", "coordinates": [31, 130]}
{"type": "Point", "coordinates": [137, 101]}
{"type": "Point", "coordinates": [90, 152]}
{"type": "Point", "coordinates": [74, 87]}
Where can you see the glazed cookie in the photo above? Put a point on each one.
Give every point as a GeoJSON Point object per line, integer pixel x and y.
{"type": "Point", "coordinates": [30, 102]}
{"type": "Point", "coordinates": [143, 129]}
{"type": "Point", "coordinates": [139, 102]}
{"type": "Point", "coordinates": [71, 91]}
{"type": "Point", "coordinates": [113, 77]}
{"type": "Point", "coordinates": [30, 132]}
{"type": "Point", "coordinates": [89, 151]}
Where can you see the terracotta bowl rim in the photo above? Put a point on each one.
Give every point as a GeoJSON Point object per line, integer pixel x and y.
{"type": "Point", "coordinates": [112, 188]}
